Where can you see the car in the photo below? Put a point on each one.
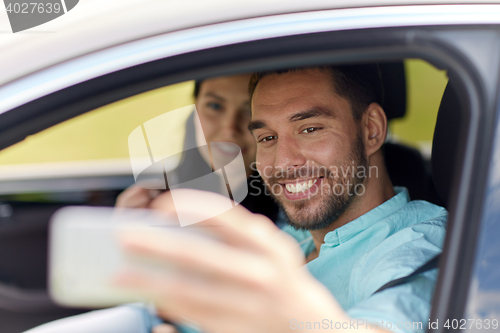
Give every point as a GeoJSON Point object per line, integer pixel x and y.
{"type": "Point", "coordinates": [71, 89]}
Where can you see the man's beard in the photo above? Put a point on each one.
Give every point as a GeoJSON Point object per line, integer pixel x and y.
{"type": "Point", "coordinates": [333, 204]}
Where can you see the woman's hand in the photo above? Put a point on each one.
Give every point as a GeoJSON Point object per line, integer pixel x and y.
{"type": "Point", "coordinates": [136, 197]}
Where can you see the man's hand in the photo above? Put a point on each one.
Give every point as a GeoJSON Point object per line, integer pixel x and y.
{"type": "Point", "coordinates": [249, 280]}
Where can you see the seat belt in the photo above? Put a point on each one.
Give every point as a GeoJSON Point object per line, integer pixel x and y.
{"type": "Point", "coordinates": [431, 264]}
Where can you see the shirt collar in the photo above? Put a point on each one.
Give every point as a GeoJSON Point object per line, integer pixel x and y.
{"type": "Point", "coordinates": [351, 229]}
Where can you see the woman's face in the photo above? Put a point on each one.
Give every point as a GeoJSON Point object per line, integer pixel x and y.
{"type": "Point", "coordinates": [223, 107]}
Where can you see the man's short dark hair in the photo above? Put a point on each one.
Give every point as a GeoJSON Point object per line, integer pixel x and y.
{"type": "Point", "coordinates": [360, 85]}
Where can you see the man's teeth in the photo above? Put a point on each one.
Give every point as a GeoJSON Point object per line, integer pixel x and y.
{"type": "Point", "coordinates": [300, 187]}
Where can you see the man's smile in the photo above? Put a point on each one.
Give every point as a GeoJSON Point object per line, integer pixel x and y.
{"type": "Point", "coordinates": [299, 189]}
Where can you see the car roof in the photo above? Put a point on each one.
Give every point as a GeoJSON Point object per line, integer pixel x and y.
{"type": "Point", "coordinates": [93, 25]}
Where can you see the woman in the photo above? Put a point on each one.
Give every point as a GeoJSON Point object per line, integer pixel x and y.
{"type": "Point", "coordinates": [223, 108]}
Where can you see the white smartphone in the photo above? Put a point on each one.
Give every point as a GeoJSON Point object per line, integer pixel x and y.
{"type": "Point", "coordinates": [85, 254]}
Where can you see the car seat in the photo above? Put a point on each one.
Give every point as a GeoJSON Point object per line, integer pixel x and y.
{"type": "Point", "coordinates": [405, 165]}
{"type": "Point", "coordinates": [447, 138]}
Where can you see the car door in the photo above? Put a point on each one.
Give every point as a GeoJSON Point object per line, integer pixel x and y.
{"type": "Point", "coordinates": [468, 52]}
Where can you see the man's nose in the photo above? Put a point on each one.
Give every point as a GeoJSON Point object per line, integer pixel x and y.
{"type": "Point", "coordinates": [289, 154]}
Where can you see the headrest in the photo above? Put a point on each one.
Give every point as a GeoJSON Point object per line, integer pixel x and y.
{"type": "Point", "coordinates": [394, 85]}
{"type": "Point", "coordinates": [447, 140]}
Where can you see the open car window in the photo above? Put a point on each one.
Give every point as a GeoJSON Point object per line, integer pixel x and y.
{"type": "Point", "coordinates": [87, 160]}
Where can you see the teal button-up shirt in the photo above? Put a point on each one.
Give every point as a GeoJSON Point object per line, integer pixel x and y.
{"type": "Point", "coordinates": [389, 242]}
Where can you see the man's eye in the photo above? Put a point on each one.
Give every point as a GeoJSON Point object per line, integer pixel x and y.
{"type": "Point", "coordinates": [310, 130]}
{"type": "Point", "coordinates": [214, 106]}
{"type": "Point", "coordinates": [268, 138]}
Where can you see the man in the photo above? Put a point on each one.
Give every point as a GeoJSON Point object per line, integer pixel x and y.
{"type": "Point", "coordinates": [319, 134]}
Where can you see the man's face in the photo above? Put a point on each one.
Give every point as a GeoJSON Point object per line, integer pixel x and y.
{"type": "Point", "coordinates": [309, 147]}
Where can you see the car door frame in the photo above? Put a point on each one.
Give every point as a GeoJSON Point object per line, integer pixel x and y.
{"type": "Point", "coordinates": [443, 46]}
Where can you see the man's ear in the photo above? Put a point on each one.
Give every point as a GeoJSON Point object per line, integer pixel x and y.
{"type": "Point", "coordinates": [374, 125]}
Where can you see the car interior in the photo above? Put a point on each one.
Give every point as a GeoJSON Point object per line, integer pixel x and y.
{"type": "Point", "coordinates": [27, 203]}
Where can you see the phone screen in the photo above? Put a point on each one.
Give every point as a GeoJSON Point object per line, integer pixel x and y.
{"type": "Point", "coordinates": [85, 254]}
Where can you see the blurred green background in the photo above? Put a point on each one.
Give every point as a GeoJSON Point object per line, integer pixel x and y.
{"type": "Point", "coordinates": [102, 134]}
